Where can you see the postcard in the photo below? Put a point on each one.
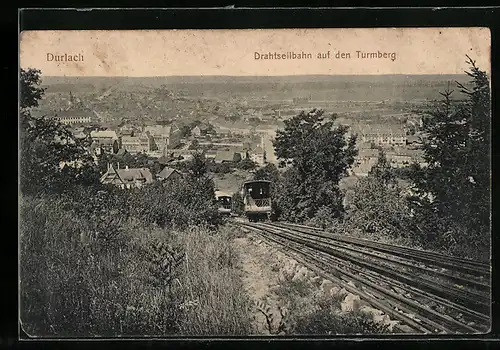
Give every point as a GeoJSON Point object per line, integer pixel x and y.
{"type": "Point", "coordinates": [255, 183]}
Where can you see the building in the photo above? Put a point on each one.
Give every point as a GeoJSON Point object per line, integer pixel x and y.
{"type": "Point", "coordinates": [79, 133]}
{"type": "Point", "coordinates": [366, 156]}
{"type": "Point", "coordinates": [402, 157]}
{"type": "Point", "coordinates": [169, 174]}
{"type": "Point", "coordinates": [74, 117]}
{"type": "Point", "coordinates": [258, 155]}
{"type": "Point", "coordinates": [127, 178]}
{"type": "Point", "coordinates": [141, 143]}
{"type": "Point", "coordinates": [381, 135]}
{"type": "Point", "coordinates": [302, 99]}
{"type": "Point", "coordinates": [200, 130]}
{"type": "Point", "coordinates": [127, 131]}
{"type": "Point", "coordinates": [107, 140]}
{"type": "Point", "coordinates": [165, 137]}
{"type": "Point", "coordinates": [227, 156]}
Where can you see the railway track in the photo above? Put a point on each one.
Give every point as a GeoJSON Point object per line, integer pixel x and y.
{"type": "Point", "coordinates": [428, 292]}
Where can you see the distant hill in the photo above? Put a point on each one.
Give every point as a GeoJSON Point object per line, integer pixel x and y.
{"type": "Point", "coordinates": [318, 87]}
{"type": "Point", "coordinates": [167, 80]}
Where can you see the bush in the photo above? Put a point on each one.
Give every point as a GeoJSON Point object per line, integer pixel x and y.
{"type": "Point", "coordinates": [311, 313]}
{"type": "Point", "coordinates": [327, 322]}
{"type": "Point", "coordinates": [145, 281]}
{"type": "Point", "coordinates": [74, 285]}
{"type": "Point", "coordinates": [215, 299]}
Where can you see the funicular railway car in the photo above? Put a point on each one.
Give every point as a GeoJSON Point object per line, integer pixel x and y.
{"type": "Point", "coordinates": [224, 200]}
{"type": "Point", "coordinates": [257, 200]}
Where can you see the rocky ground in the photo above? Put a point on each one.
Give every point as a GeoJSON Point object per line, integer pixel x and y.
{"type": "Point", "coordinates": [279, 285]}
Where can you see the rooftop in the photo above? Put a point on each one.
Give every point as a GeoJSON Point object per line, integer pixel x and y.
{"type": "Point", "coordinates": [167, 171]}
{"type": "Point", "coordinates": [104, 134]}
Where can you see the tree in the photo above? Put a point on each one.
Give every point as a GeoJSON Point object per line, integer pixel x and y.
{"type": "Point", "coordinates": [52, 160]}
{"type": "Point", "coordinates": [382, 170]}
{"type": "Point", "coordinates": [320, 154]}
{"type": "Point", "coordinates": [31, 92]}
{"type": "Point", "coordinates": [378, 205]}
{"type": "Point", "coordinates": [454, 188]}
{"type": "Point", "coordinates": [186, 130]}
{"type": "Point", "coordinates": [197, 169]}
{"type": "Point", "coordinates": [238, 207]}
{"type": "Point", "coordinates": [195, 145]}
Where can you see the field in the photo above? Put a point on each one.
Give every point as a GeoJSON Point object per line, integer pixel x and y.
{"type": "Point", "coordinates": [330, 88]}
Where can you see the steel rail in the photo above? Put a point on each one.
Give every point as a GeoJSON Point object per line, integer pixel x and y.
{"type": "Point", "coordinates": [452, 263]}
{"type": "Point", "coordinates": [412, 289]}
{"type": "Point", "coordinates": [466, 297]}
{"type": "Point", "coordinates": [373, 301]}
{"type": "Point", "coordinates": [402, 303]}
{"type": "Point", "coordinates": [457, 279]}
{"type": "Point", "coordinates": [413, 306]}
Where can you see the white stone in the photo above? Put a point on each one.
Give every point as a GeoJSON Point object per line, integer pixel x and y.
{"type": "Point", "coordinates": [350, 303]}
{"type": "Point", "coordinates": [381, 319]}
{"type": "Point", "coordinates": [391, 325]}
{"type": "Point", "coordinates": [370, 310]}
{"type": "Point", "coordinates": [342, 292]}
{"type": "Point", "coordinates": [334, 291]}
{"type": "Point", "coordinates": [315, 279]}
{"type": "Point", "coordinates": [326, 286]}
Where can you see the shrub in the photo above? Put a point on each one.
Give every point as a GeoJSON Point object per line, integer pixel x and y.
{"type": "Point", "coordinates": [327, 322]}
{"type": "Point", "coordinates": [74, 285]}
{"type": "Point", "coordinates": [215, 301]}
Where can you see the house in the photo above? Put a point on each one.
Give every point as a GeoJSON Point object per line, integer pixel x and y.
{"type": "Point", "coordinates": [126, 131]}
{"type": "Point", "coordinates": [227, 156]}
{"type": "Point", "coordinates": [127, 178]}
{"type": "Point", "coordinates": [382, 135]}
{"type": "Point", "coordinates": [200, 130]}
{"type": "Point", "coordinates": [402, 157]}
{"type": "Point", "coordinates": [107, 140]}
{"type": "Point", "coordinates": [170, 174]}
{"type": "Point", "coordinates": [74, 117]}
{"type": "Point", "coordinates": [414, 141]}
{"type": "Point", "coordinates": [258, 155]}
{"type": "Point", "coordinates": [79, 133]}
{"type": "Point", "coordinates": [122, 152]}
{"type": "Point", "coordinates": [140, 143]}
{"type": "Point", "coordinates": [366, 157]}
{"type": "Point", "coordinates": [165, 137]}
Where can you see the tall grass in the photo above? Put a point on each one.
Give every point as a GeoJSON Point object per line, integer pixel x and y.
{"type": "Point", "coordinates": [219, 304]}
{"type": "Point", "coordinates": [77, 279]}
{"type": "Point", "coordinates": [309, 312]}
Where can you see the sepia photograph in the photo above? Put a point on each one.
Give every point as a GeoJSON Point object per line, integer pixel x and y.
{"type": "Point", "coordinates": [254, 183]}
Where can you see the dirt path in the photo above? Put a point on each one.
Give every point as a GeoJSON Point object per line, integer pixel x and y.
{"type": "Point", "coordinates": [259, 276]}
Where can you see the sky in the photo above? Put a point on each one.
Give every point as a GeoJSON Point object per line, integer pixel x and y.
{"type": "Point", "coordinates": [144, 53]}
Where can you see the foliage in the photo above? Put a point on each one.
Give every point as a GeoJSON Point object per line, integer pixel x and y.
{"type": "Point", "coordinates": [215, 300]}
{"type": "Point", "coordinates": [246, 164]}
{"type": "Point", "coordinates": [320, 154]}
{"type": "Point", "coordinates": [326, 322]}
{"type": "Point", "coordinates": [52, 160]}
{"type": "Point", "coordinates": [220, 168]}
{"type": "Point", "coordinates": [378, 205]}
{"type": "Point", "coordinates": [238, 207]}
{"type": "Point", "coordinates": [194, 145]}
{"type": "Point", "coordinates": [453, 192]}
{"type": "Point", "coordinates": [147, 281]}
{"type": "Point", "coordinates": [31, 92]}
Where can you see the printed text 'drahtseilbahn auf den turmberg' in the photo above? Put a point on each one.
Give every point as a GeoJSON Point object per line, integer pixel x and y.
{"type": "Point", "coordinates": [290, 55]}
